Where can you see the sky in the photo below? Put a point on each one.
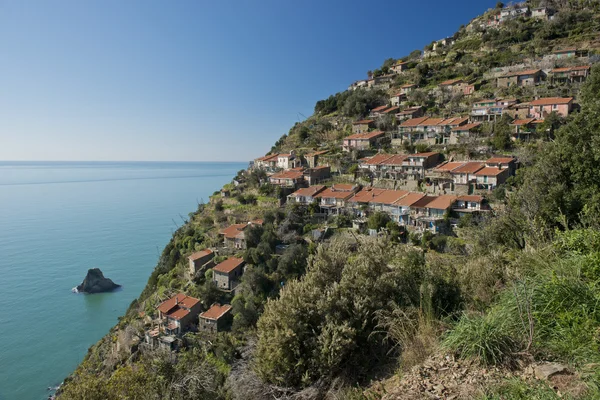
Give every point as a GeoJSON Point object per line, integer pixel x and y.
{"type": "Point", "coordinates": [190, 80]}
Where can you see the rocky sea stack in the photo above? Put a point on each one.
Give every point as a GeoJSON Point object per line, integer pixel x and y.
{"type": "Point", "coordinates": [95, 282]}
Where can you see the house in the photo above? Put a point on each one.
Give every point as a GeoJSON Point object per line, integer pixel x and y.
{"type": "Point", "coordinates": [461, 133]}
{"type": "Point", "coordinates": [268, 162]}
{"type": "Point", "coordinates": [465, 174]}
{"type": "Point", "coordinates": [428, 130]}
{"type": "Point", "coordinates": [362, 141]}
{"type": "Point", "coordinates": [570, 74]}
{"type": "Point", "coordinates": [469, 90]}
{"type": "Point", "coordinates": [200, 261]}
{"type": "Point", "coordinates": [523, 128]}
{"type": "Point", "coordinates": [542, 12]}
{"type": "Point", "coordinates": [410, 113]}
{"type": "Point", "coordinates": [406, 89]}
{"type": "Point", "coordinates": [361, 199]}
{"type": "Point", "coordinates": [384, 202]}
{"type": "Point", "coordinates": [178, 313]}
{"type": "Point", "coordinates": [403, 207]}
{"type": "Point", "coordinates": [490, 177]}
{"type": "Point", "coordinates": [333, 199]}
{"type": "Point", "coordinates": [569, 52]}
{"type": "Point", "coordinates": [227, 273]}
{"type": "Point", "coordinates": [429, 212]}
{"type": "Point", "coordinates": [530, 77]}
{"type": "Point", "coordinates": [287, 160]}
{"type": "Point", "coordinates": [291, 178]}
{"type": "Point", "coordinates": [383, 81]}
{"type": "Point", "coordinates": [399, 67]}
{"type": "Point", "coordinates": [312, 158]}
{"type": "Point", "coordinates": [233, 235]}
{"type": "Point", "coordinates": [470, 205]}
{"type": "Point", "coordinates": [217, 318]}
{"type": "Point", "coordinates": [540, 108]}
{"type": "Point", "coordinates": [486, 111]}
{"type": "Point", "coordinates": [393, 168]}
{"type": "Point", "coordinates": [358, 85]}
{"type": "Point", "coordinates": [514, 11]}
{"type": "Point", "coordinates": [509, 163]}
{"type": "Point", "coordinates": [373, 163]}
{"type": "Point", "coordinates": [397, 99]}
{"type": "Point", "coordinates": [377, 111]}
{"type": "Point", "coordinates": [305, 196]}
{"type": "Point", "coordinates": [518, 111]}
{"type": "Point", "coordinates": [363, 125]}
{"type": "Point", "coordinates": [454, 85]}
{"type": "Point", "coordinates": [316, 175]}
{"type": "Point", "coordinates": [414, 165]}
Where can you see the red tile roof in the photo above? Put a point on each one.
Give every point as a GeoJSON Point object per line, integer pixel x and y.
{"type": "Point", "coordinates": [365, 195]}
{"type": "Point", "coordinates": [378, 158]}
{"type": "Point", "coordinates": [364, 136]}
{"type": "Point", "coordinates": [569, 69]}
{"type": "Point", "coordinates": [229, 265]}
{"type": "Point", "coordinates": [472, 198]}
{"type": "Point", "coordinates": [442, 202]}
{"type": "Point", "coordinates": [413, 122]}
{"type": "Point", "coordinates": [466, 127]}
{"type": "Point", "coordinates": [469, 168]}
{"type": "Point", "coordinates": [410, 199]}
{"type": "Point", "coordinates": [336, 193]}
{"type": "Point", "coordinates": [423, 201]}
{"type": "Point", "coordinates": [389, 196]}
{"type": "Point", "coordinates": [522, 73]}
{"type": "Point", "coordinates": [449, 166]}
{"type": "Point", "coordinates": [490, 171]}
{"type": "Point", "coordinates": [267, 157]}
{"type": "Point", "coordinates": [309, 191]}
{"type": "Point", "coordinates": [178, 313]}
{"type": "Point", "coordinates": [548, 101]}
{"type": "Point", "coordinates": [290, 174]}
{"type": "Point", "coordinates": [500, 160]}
{"type": "Point", "coordinates": [426, 155]}
{"type": "Point", "coordinates": [233, 231]}
{"type": "Point", "coordinates": [199, 254]}
{"type": "Point", "coordinates": [408, 85]}
{"type": "Point", "coordinates": [184, 300]}
{"type": "Point", "coordinates": [450, 82]}
{"type": "Point", "coordinates": [363, 122]}
{"type": "Point", "coordinates": [380, 108]}
{"type": "Point", "coordinates": [520, 122]}
{"type": "Point", "coordinates": [391, 109]}
{"type": "Point", "coordinates": [216, 311]}
{"type": "Point", "coordinates": [395, 160]}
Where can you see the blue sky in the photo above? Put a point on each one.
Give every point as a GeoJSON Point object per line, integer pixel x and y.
{"type": "Point", "coordinates": [190, 80]}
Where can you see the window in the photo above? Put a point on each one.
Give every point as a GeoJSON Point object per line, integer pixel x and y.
{"type": "Point", "coordinates": [554, 106]}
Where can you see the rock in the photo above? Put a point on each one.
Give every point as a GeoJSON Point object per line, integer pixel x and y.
{"type": "Point", "coordinates": [545, 371]}
{"type": "Point", "coordinates": [95, 282]}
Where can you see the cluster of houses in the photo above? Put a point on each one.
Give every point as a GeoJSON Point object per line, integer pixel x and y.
{"type": "Point", "coordinates": [412, 210]}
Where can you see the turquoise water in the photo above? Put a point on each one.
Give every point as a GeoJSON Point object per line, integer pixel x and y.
{"type": "Point", "coordinates": [59, 219]}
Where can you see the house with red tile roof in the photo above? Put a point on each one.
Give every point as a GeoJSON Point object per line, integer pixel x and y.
{"type": "Point", "coordinates": [454, 85]}
{"type": "Point", "coordinates": [570, 74]}
{"type": "Point", "coordinates": [463, 133]}
{"type": "Point", "coordinates": [378, 110]}
{"type": "Point", "coordinates": [373, 163]}
{"type": "Point", "coordinates": [315, 175]}
{"type": "Point", "coordinates": [470, 204]}
{"type": "Point", "coordinates": [396, 99]}
{"type": "Point", "coordinates": [399, 67]}
{"type": "Point", "coordinates": [530, 77]}
{"type": "Point", "coordinates": [305, 196]}
{"type": "Point", "coordinates": [363, 125]}
{"type": "Point", "coordinates": [524, 128]}
{"type": "Point", "coordinates": [200, 261]}
{"type": "Point", "coordinates": [291, 178]}
{"type": "Point", "coordinates": [362, 141]}
{"type": "Point", "coordinates": [415, 165]}
{"type": "Point", "coordinates": [334, 198]}
{"type": "Point", "coordinates": [465, 174]}
{"type": "Point", "coordinates": [233, 235]}
{"type": "Point", "coordinates": [361, 199]}
{"type": "Point", "coordinates": [429, 212]}
{"type": "Point", "coordinates": [227, 273]}
{"type": "Point", "coordinates": [178, 313]}
{"type": "Point", "coordinates": [384, 202]}
{"type": "Point", "coordinates": [541, 108]}
{"type": "Point", "coordinates": [490, 177]}
{"type": "Point", "coordinates": [217, 318]}
{"type": "Point", "coordinates": [268, 162]}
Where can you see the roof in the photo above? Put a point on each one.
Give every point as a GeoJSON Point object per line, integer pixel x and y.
{"type": "Point", "coordinates": [450, 82]}
{"type": "Point", "coordinates": [267, 157]}
{"type": "Point", "coordinates": [199, 254]}
{"type": "Point", "coordinates": [336, 193]}
{"type": "Point", "coordinates": [174, 301]}
{"type": "Point", "coordinates": [365, 195]}
{"type": "Point", "coordinates": [522, 73]}
{"type": "Point", "coordinates": [423, 201]}
{"type": "Point", "coordinates": [551, 101]}
{"type": "Point", "coordinates": [426, 155]}
{"type": "Point", "coordinates": [363, 121]}
{"type": "Point", "coordinates": [380, 108]}
{"type": "Point", "coordinates": [466, 127]}
{"type": "Point", "coordinates": [229, 265]}
{"type": "Point", "coordinates": [395, 160]}
{"type": "Point", "coordinates": [565, 50]}
{"type": "Point", "coordinates": [410, 199]}
{"type": "Point", "coordinates": [233, 231]}
{"type": "Point", "coordinates": [309, 191]}
{"type": "Point", "coordinates": [364, 136]}
{"type": "Point", "coordinates": [490, 171]}
{"type": "Point", "coordinates": [449, 166]}
{"type": "Point", "coordinates": [568, 69]}
{"type": "Point", "coordinates": [500, 160]}
{"type": "Point", "coordinates": [408, 85]}
{"type": "Point", "coordinates": [471, 198]}
{"type": "Point", "coordinates": [389, 196]}
{"type": "Point", "coordinates": [442, 202]}
{"type": "Point", "coordinates": [391, 109]}
{"type": "Point", "coordinates": [414, 122]}
{"type": "Point", "coordinates": [290, 174]}
{"type": "Point", "coordinates": [348, 187]}
{"type": "Point", "coordinates": [521, 122]}
{"type": "Point", "coordinates": [378, 159]}
{"type": "Point", "coordinates": [178, 313]}
{"type": "Point", "coordinates": [216, 311]}
{"type": "Point", "coordinates": [469, 168]}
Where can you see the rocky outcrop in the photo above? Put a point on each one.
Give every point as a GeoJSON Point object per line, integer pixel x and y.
{"type": "Point", "coordinates": [95, 282]}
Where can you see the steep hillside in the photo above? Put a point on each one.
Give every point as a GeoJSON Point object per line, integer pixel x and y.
{"type": "Point", "coordinates": [431, 232]}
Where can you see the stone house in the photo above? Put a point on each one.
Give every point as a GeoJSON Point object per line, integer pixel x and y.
{"type": "Point", "coordinates": [465, 174]}
{"type": "Point", "coordinates": [454, 85]}
{"type": "Point", "coordinates": [399, 67]}
{"type": "Point", "coordinates": [570, 74]}
{"type": "Point", "coordinates": [428, 213]}
{"type": "Point", "coordinates": [312, 158]}
{"type": "Point", "coordinates": [462, 133]}
{"type": "Point", "coordinates": [315, 175]}
{"type": "Point", "coordinates": [542, 13]}
{"type": "Point", "coordinates": [377, 111]}
{"type": "Point", "coordinates": [217, 318]}
{"type": "Point", "coordinates": [569, 52]}
{"type": "Point", "coordinates": [291, 178]}
{"type": "Point", "coordinates": [200, 261]}
{"type": "Point", "coordinates": [362, 126]}
{"type": "Point", "coordinates": [178, 313]}
{"type": "Point", "coordinates": [540, 108]}
{"type": "Point", "coordinates": [362, 141]}
{"type": "Point", "coordinates": [233, 235]}
{"type": "Point", "coordinates": [490, 177]}
{"type": "Point", "coordinates": [268, 162]}
{"type": "Point", "coordinates": [529, 77]}
{"type": "Point", "coordinates": [410, 113]}
{"type": "Point", "coordinates": [414, 165]}
{"type": "Point", "coordinates": [406, 89]}
{"type": "Point", "coordinates": [227, 273]}
{"type": "Point", "coordinates": [397, 99]}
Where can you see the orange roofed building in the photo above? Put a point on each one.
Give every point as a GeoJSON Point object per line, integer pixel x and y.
{"type": "Point", "coordinates": [233, 235]}
{"type": "Point", "coordinates": [178, 313]}
{"type": "Point", "coordinates": [362, 141]}
{"type": "Point", "coordinates": [227, 273]}
{"type": "Point", "coordinates": [200, 260]}
{"type": "Point", "coordinates": [216, 319]}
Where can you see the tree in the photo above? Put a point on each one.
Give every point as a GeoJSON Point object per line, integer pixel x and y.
{"type": "Point", "coordinates": [378, 220]}
{"type": "Point", "coordinates": [551, 123]}
{"type": "Point", "coordinates": [499, 5]}
{"type": "Point", "coordinates": [502, 133]}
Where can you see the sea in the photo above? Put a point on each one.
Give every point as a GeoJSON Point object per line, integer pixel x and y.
{"type": "Point", "coordinates": [57, 220]}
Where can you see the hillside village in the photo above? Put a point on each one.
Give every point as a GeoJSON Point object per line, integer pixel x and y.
{"type": "Point", "coordinates": [426, 149]}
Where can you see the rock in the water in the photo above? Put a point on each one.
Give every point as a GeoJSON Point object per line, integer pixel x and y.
{"type": "Point", "coordinates": [95, 282]}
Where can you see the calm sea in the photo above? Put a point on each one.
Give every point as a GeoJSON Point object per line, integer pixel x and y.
{"type": "Point", "coordinates": [59, 219]}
